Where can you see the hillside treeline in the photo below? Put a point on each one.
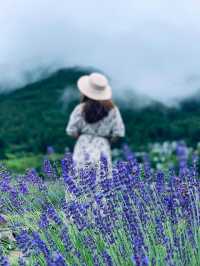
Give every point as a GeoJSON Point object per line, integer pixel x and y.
{"type": "Point", "coordinates": [35, 116]}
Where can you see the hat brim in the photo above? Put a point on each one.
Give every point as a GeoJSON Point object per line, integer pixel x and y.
{"type": "Point", "coordinates": [86, 89]}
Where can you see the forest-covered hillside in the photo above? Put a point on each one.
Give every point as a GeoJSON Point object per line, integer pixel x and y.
{"type": "Point", "coordinates": [35, 117]}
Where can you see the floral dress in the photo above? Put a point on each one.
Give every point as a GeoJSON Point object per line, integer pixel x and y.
{"type": "Point", "coordinates": [93, 137]}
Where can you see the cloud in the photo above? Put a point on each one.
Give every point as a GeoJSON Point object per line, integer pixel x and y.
{"type": "Point", "coordinates": [149, 46]}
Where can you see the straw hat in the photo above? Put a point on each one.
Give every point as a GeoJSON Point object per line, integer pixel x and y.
{"type": "Point", "coordinates": [95, 86]}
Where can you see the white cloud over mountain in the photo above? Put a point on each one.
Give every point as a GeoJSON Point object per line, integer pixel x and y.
{"type": "Point", "coordinates": [150, 46]}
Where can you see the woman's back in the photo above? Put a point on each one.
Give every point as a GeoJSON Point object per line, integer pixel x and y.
{"type": "Point", "coordinates": [109, 126]}
{"type": "Point", "coordinates": [93, 137]}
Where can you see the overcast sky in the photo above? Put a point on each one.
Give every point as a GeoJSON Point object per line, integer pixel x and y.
{"type": "Point", "coordinates": [150, 46]}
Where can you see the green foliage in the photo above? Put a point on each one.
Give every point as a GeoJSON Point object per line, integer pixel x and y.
{"type": "Point", "coordinates": [35, 117]}
{"type": "Point", "coordinates": [20, 163]}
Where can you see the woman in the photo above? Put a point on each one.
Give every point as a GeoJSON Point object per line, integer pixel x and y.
{"type": "Point", "coordinates": [95, 122]}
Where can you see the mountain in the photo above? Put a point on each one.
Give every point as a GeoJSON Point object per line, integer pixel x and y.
{"type": "Point", "coordinates": [35, 116]}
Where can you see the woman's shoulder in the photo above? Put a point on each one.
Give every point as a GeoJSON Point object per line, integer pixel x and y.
{"type": "Point", "coordinates": [78, 107]}
{"type": "Point", "coordinates": [114, 110]}
{"type": "Point", "coordinates": [77, 111]}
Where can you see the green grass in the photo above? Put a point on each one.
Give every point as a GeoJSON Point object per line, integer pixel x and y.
{"type": "Point", "coordinates": [20, 163]}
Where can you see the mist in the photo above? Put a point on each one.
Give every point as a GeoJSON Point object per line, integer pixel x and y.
{"type": "Point", "coordinates": [149, 47]}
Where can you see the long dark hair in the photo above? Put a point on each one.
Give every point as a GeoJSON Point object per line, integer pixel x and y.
{"type": "Point", "coordinates": [93, 110]}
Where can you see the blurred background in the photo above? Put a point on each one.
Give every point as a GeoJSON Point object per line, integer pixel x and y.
{"type": "Point", "coordinates": [148, 49]}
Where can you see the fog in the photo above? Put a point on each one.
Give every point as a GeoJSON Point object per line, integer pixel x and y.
{"type": "Point", "coordinates": [151, 47]}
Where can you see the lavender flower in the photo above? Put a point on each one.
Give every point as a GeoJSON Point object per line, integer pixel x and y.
{"type": "Point", "coordinates": [25, 242]}
{"type": "Point", "coordinates": [5, 180]}
{"type": "Point", "coordinates": [47, 168]}
{"type": "Point", "coordinates": [43, 222]}
{"type": "Point", "coordinates": [21, 261]}
{"type": "Point", "coordinates": [2, 220]}
{"type": "Point", "coordinates": [64, 235]}
{"type": "Point", "coordinates": [59, 259]}
{"type": "Point", "coordinates": [107, 258]}
{"type": "Point", "coordinates": [23, 188]}
{"type": "Point", "coordinates": [40, 244]}
{"type": "Point", "coordinates": [52, 214]}
{"type": "Point", "coordinates": [3, 259]}
{"type": "Point", "coordinates": [50, 150]}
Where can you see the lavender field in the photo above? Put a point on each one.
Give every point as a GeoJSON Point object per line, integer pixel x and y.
{"type": "Point", "coordinates": [147, 212]}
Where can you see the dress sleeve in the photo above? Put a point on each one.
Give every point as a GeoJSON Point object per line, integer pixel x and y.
{"type": "Point", "coordinates": [118, 128]}
{"type": "Point", "coordinates": [75, 119]}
